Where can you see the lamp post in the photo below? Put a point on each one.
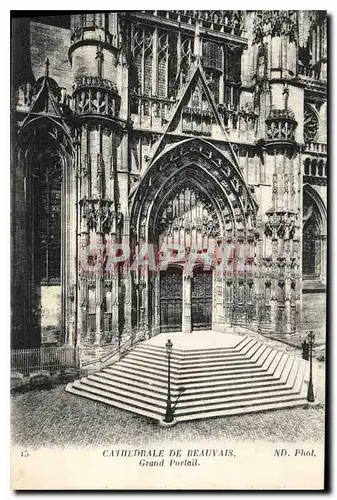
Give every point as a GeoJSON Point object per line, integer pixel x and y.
{"type": "Point", "coordinates": [169, 413]}
{"type": "Point", "coordinates": [140, 286]}
{"type": "Point", "coordinates": [310, 395]}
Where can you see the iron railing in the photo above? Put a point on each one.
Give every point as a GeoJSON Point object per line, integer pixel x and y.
{"type": "Point", "coordinates": [55, 359]}
{"type": "Point", "coordinates": [52, 359]}
{"type": "Point", "coordinates": [121, 349]}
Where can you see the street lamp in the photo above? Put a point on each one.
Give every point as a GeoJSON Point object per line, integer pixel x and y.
{"type": "Point", "coordinates": [169, 413]}
{"type": "Point", "coordinates": [311, 340]}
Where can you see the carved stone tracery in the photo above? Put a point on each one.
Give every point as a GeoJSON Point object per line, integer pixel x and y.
{"type": "Point", "coordinates": [274, 23]}
{"type": "Point", "coordinates": [98, 215]}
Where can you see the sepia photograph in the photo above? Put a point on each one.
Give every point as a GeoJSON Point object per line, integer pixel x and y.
{"type": "Point", "coordinates": [168, 249]}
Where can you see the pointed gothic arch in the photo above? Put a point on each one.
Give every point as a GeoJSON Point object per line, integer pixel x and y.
{"type": "Point", "coordinates": [44, 156]}
{"type": "Point", "coordinates": [193, 194]}
{"type": "Point", "coordinates": [314, 235]}
{"type": "Point", "coordinates": [213, 167]}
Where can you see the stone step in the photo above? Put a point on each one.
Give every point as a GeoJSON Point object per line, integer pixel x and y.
{"type": "Point", "coordinates": [127, 407]}
{"type": "Point", "coordinates": [148, 388]}
{"type": "Point", "coordinates": [157, 400]}
{"type": "Point", "coordinates": [239, 378]}
{"type": "Point", "coordinates": [153, 401]}
{"type": "Point", "coordinates": [284, 396]}
{"type": "Point", "coordinates": [225, 375]}
{"type": "Point", "coordinates": [237, 368]}
{"type": "Point", "coordinates": [201, 372]}
{"type": "Point", "coordinates": [204, 389]}
{"type": "Point", "coordinates": [275, 361]}
{"type": "Point", "coordinates": [245, 378]}
{"type": "Point", "coordinates": [258, 406]}
{"type": "Point", "coordinates": [298, 401]}
{"type": "Point", "coordinates": [136, 379]}
{"type": "Point", "coordinates": [199, 352]}
{"type": "Point", "coordinates": [135, 402]}
{"type": "Point", "coordinates": [256, 356]}
{"type": "Point", "coordinates": [190, 354]}
{"type": "Point", "coordinates": [191, 409]}
{"type": "Point", "coordinates": [296, 392]}
{"type": "Point", "coordinates": [181, 362]}
{"type": "Point", "coordinates": [191, 395]}
{"type": "Point", "coordinates": [190, 366]}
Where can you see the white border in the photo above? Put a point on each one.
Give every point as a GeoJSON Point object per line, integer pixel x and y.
{"type": "Point", "coordinates": [5, 188]}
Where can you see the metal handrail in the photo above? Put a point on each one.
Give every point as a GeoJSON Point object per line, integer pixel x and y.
{"type": "Point", "coordinates": [118, 350]}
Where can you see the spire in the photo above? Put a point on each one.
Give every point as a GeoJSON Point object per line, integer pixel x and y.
{"type": "Point", "coordinates": [46, 100]}
{"type": "Point", "coordinates": [99, 58]}
{"type": "Point", "coordinates": [47, 63]}
{"type": "Point", "coordinates": [197, 42]}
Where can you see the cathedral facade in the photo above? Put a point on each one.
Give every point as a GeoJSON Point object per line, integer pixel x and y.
{"type": "Point", "coordinates": [169, 173]}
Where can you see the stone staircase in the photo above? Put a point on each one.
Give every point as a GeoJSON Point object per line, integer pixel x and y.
{"type": "Point", "coordinates": [220, 381]}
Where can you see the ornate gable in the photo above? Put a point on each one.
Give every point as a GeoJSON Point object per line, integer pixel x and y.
{"type": "Point", "coordinates": [195, 112]}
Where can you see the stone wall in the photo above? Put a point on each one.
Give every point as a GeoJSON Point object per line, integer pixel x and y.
{"type": "Point", "coordinates": [53, 43]}
{"type": "Point", "coordinates": [50, 314]}
{"type": "Point", "coordinates": [313, 312]}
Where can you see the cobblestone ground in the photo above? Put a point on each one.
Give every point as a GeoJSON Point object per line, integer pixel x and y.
{"type": "Point", "coordinates": [57, 418]}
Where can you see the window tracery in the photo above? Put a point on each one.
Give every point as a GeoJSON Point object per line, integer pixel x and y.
{"type": "Point", "coordinates": [312, 237]}
{"type": "Point", "coordinates": [311, 124]}
{"type": "Point", "coordinates": [142, 52]}
{"type": "Point", "coordinates": [47, 219]}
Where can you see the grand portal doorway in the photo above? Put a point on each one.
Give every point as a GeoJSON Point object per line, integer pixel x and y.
{"type": "Point", "coordinates": [179, 295]}
{"type": "Point", "coordinates": [195, 211]}
{"type": "Point", "coordinates": [201, 291]}
{"type": "Point", "coordinates": [171, 300]}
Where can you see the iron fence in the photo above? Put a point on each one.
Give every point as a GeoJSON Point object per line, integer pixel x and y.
{"type": "Point", "coordinates": [52, 359]}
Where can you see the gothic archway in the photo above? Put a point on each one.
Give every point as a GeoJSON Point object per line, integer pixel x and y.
{"type": "Point", "coordinates": [314, 235]}
{"type": "Point", "coordinates": [41, 239]}
{"type": "Point", "coordinates": [194, 200]}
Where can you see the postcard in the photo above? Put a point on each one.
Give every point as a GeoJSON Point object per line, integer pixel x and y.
{"type": "Point", "coordinates": [169, 250]}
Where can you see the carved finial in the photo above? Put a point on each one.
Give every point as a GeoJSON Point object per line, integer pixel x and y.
{"type": "Point", "coordinates": [99, 57]}
{"type": "Point", "coordinates": [286, 96]}
{"type": "Point", "coordinates": [197, 44]}
{"type": "Point", "coordinates": [99, 45]}
{"type": "Point", "coordinates": [47, 67]}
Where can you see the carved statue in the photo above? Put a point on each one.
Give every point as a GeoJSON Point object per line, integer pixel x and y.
{"type": "Point", "coordinates": [89, 214]}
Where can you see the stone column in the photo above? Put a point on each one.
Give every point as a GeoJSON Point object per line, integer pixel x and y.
{"type": "Point", "coordinates": [156, 305]}
{"type": "Point", "coordinates": [218, 320]}
{"type": "Point", "coordinates": [287, 326]}
{"type": "Point", "coordinates": [114, 301]}
{"type": "Point", "coordinates": [187, 299]}
{"type": "Point", "coordinates": [99, 289]}
{"type": "Point", "coordinates": [323, 258]}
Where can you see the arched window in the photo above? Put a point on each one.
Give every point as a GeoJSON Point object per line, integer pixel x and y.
{"type": "Point", "coordinates": [312, 237]}
{"type": "Point", "coordinates": [314, 167]}
{"type": "Point", "coordinates": [47, 219]}
{"type": "Point", "coordinates": [307, 167]}
{"type": "Point", "coordinates": [311, 124]}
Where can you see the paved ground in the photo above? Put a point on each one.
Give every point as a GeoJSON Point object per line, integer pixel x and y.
{"type": "Point", "coordinates": [202, 339]}
{"type": "Point", "coordinates": [56, 418]}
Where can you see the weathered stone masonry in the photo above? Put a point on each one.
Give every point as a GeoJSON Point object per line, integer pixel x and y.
{"type": "Point", "coordinates": [175, 129]}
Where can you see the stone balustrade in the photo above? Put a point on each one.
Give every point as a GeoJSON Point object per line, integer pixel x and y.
{"type": "Point", "coordinates": [227, 21]}
{"type": "Point", "coordinates": [308, 72]}
{"type": "Point", "coordinates": [315, 147]}
{"type": "Point", "coordinates": [93, 95]}
{"type": "Point", "coordinates": [150, 111]}
{"type": "Point", "coordinates": [281, 125]}
{"type": "Point", "coordinates": [315, 167]}
{"type": "Point", "coordinates": [239, 123]}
